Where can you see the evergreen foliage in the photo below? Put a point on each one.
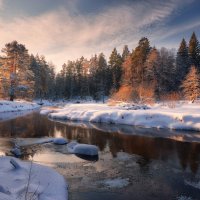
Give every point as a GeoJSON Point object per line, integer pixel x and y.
{"type": "Point", "coordinates": [191, 85]}
{"type": "Point", "coordinates": [194, 51]}
{"type": "Point", "coordinates": [115, 64]}
{"type": "Point", "coordinates": [182, 62]}
{"type": "Point", "coordinates": [146, 73]}
{"type": "Point", "coordinates": [125, 53]}
{"type": "Point", "coordinates": [139, 57]}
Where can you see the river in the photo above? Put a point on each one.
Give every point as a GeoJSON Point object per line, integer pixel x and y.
{"type": "Point", "coordinates": [133, 162]}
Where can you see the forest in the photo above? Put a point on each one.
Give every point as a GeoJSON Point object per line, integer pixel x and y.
{"type": "Point", "coordinates": [144, 74]}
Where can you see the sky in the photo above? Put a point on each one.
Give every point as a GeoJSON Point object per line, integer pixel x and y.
{"type": "Point", "coordinates": [63, 30]}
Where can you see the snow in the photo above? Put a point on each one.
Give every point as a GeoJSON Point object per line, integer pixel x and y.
{"type": "Point", "coordinates": [20, 142]}
{"type": "Point", "coordinates": [16, 151]}
{"type": "Point", "coordinates": [44, 184]}
{"type": "Point", "coordinates": [13, 106]}
{"type": "Point", "coordinates": [193, 184]}
{"type": "Point", "coordinates": [183, 117]}
{"type": "Point", "coordinates": [32, 141]}
{"type": "Point", "coordinates": [116, 183]}
{"type": "Point", "coordinates": [45, 102]}
{"type": "Point", "coordinates": [45, 112]}
{"type": "Point", "coordinates": [82, 149]}
{"type": "Point", "coordinates": [48, 110]}
{"type": "Point", "coordinates": [60, 141]}
{"type": "Point", "coordinates": [73, 146]}
{"type": "Point", "coordinates": [184, 198]}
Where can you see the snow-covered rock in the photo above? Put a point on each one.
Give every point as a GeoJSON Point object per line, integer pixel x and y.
{"type": "Point", "coordinates": [71, 145]}
{"type": "Point", "coordinates": [44, 183]}
{"type": "Point", "coordinates": [16, 151]}
{"type": "Point", "coordinates": [83, 149]}
{"type": "Point", "coordinates": [86, 149]}
{"type": "Point", "coordinates": [60, 141]}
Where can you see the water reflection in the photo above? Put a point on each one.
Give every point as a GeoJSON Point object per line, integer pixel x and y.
{"type": "Point", "coordinates": [115, 139]}
{"type": "Point", "coordinates": [86, 157]}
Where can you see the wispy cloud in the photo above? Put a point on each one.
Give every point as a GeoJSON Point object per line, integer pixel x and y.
{"type": "Point", "coordinates": [1, 4]}
{"type": "Point", "coordinates": [61, 35]}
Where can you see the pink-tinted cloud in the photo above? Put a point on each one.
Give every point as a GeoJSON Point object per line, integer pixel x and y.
{"type": "Point", "coordinates": [60, 36]}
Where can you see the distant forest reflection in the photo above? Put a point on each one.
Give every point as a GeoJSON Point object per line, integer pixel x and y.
{"type": "Point", "coordinates": [185, 154]}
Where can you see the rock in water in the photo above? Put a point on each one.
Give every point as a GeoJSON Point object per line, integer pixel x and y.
{"type": "Point", "coordinates": [86, 149]}
{"type": "Point", "coordinates": [60, 141]}
{"type": "Point", "coordinates": [16, 151]}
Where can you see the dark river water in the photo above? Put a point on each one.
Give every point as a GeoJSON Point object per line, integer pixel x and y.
{"type": "Point", "coordinates": [134, 163]}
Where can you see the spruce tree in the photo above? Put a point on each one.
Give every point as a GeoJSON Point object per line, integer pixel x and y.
{"type": "Point", "coordinates": [191, 85]}
{"type": "Point", "coordinates": [93, 80]}
{"type": "Point", "coordinates": [125, 52]}
{"type": "Point", "coordinates": [165, 72]}
{"type": "Point", "coordinates": [115, 63]}
{"type": "Point", "coordinates": [182, 63]}
{"type": "Point", "coordinates": [139, 57]}
{"type": "Point", "coordinates": [151, 65]}
{"type": "Point", "coordinates": [126, 71]}
{"type": "Point", "coordinates": [101, 77]}
{"type": "Point", "coordinates": [194, 51]}
{"type": "Point", "coordinates": [70, 79]}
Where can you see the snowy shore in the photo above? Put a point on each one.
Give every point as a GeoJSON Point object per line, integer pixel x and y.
{"type": "Point", "coordinates": [26, 180]}
{"type": "Point", "coordinates": [14, 106]}
{"type": "Point", "coordinates": [11, 110]}
{"type": "Point", "coordinates": [184, 116]}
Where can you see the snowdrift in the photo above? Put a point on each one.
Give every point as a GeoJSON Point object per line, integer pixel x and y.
{"type": "Point", "coordinates": [183, 117]}
{"type": "Point", "coordinates": [33, 181]}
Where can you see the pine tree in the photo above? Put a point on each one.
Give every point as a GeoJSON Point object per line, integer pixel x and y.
{"type": "Point", "coordinates": [70, 79]}
{"type": "Point", "coordinates": [182, 63]}
{"type": "Point", "coordinates": [4, 78]}
{"type": "Point", "coordinates": [151, 65]}
{"type": "Point", "coordinates": [125, 52]}
{"type": "Point", "coordinates": [85, 88]}
{"type": "Point", "coordinates": [126, 71]}
{"type": "Point", "coordinates": [115, 63]}
{"type": "Point", "coordinates": [194, 51]}
{"type": "Point", "coordinates": [17, 61]}
{"type": "Point", "coordinates": [93, 80]}
{"type": "Point", "coordinates": [139, 57]}
{"type": "Point", "coordinates": [102, 77]}
{"type": "Point", "coordinates": [59, 86]}
{"type": "Point", "coordinates": [165, 72]}
{"type": "Point", "coordinates": [51, 80]}
{"type": "Point", "coordinates": [191, 85]}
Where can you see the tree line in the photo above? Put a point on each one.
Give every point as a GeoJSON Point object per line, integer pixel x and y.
{"type": "Point", "coordinates": [143, 74]}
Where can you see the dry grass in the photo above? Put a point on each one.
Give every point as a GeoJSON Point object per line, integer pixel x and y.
{"type": "Point", "coordinates": [171, 99]}
{"type": "Point", "coordinates": [127, 93]}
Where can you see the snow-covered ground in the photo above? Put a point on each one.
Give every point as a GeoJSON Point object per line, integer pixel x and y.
{"type": "Point", "coordinates": [16, 106]}
{"type": "Point", "coordinates": [116, 183]}
{"type": "Point", "coordinates": [14, 109]}
{"type": "Point", "coordinates": [184, 116]}
{"type": "Point", "coordinates": [26, 180]}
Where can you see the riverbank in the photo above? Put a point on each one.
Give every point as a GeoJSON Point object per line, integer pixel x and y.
{"type": "Point", "coordinates": [130, 163]}
{"type": "Point", "coordinates": [184, 116]}
{"type": "Point", "coordinates": [27, 180]}
{"type": "Point", "coordinates": [14, 106]}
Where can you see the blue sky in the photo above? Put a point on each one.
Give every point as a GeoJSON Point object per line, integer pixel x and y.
{"type": "Point", "coordinates": [66, 29]}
